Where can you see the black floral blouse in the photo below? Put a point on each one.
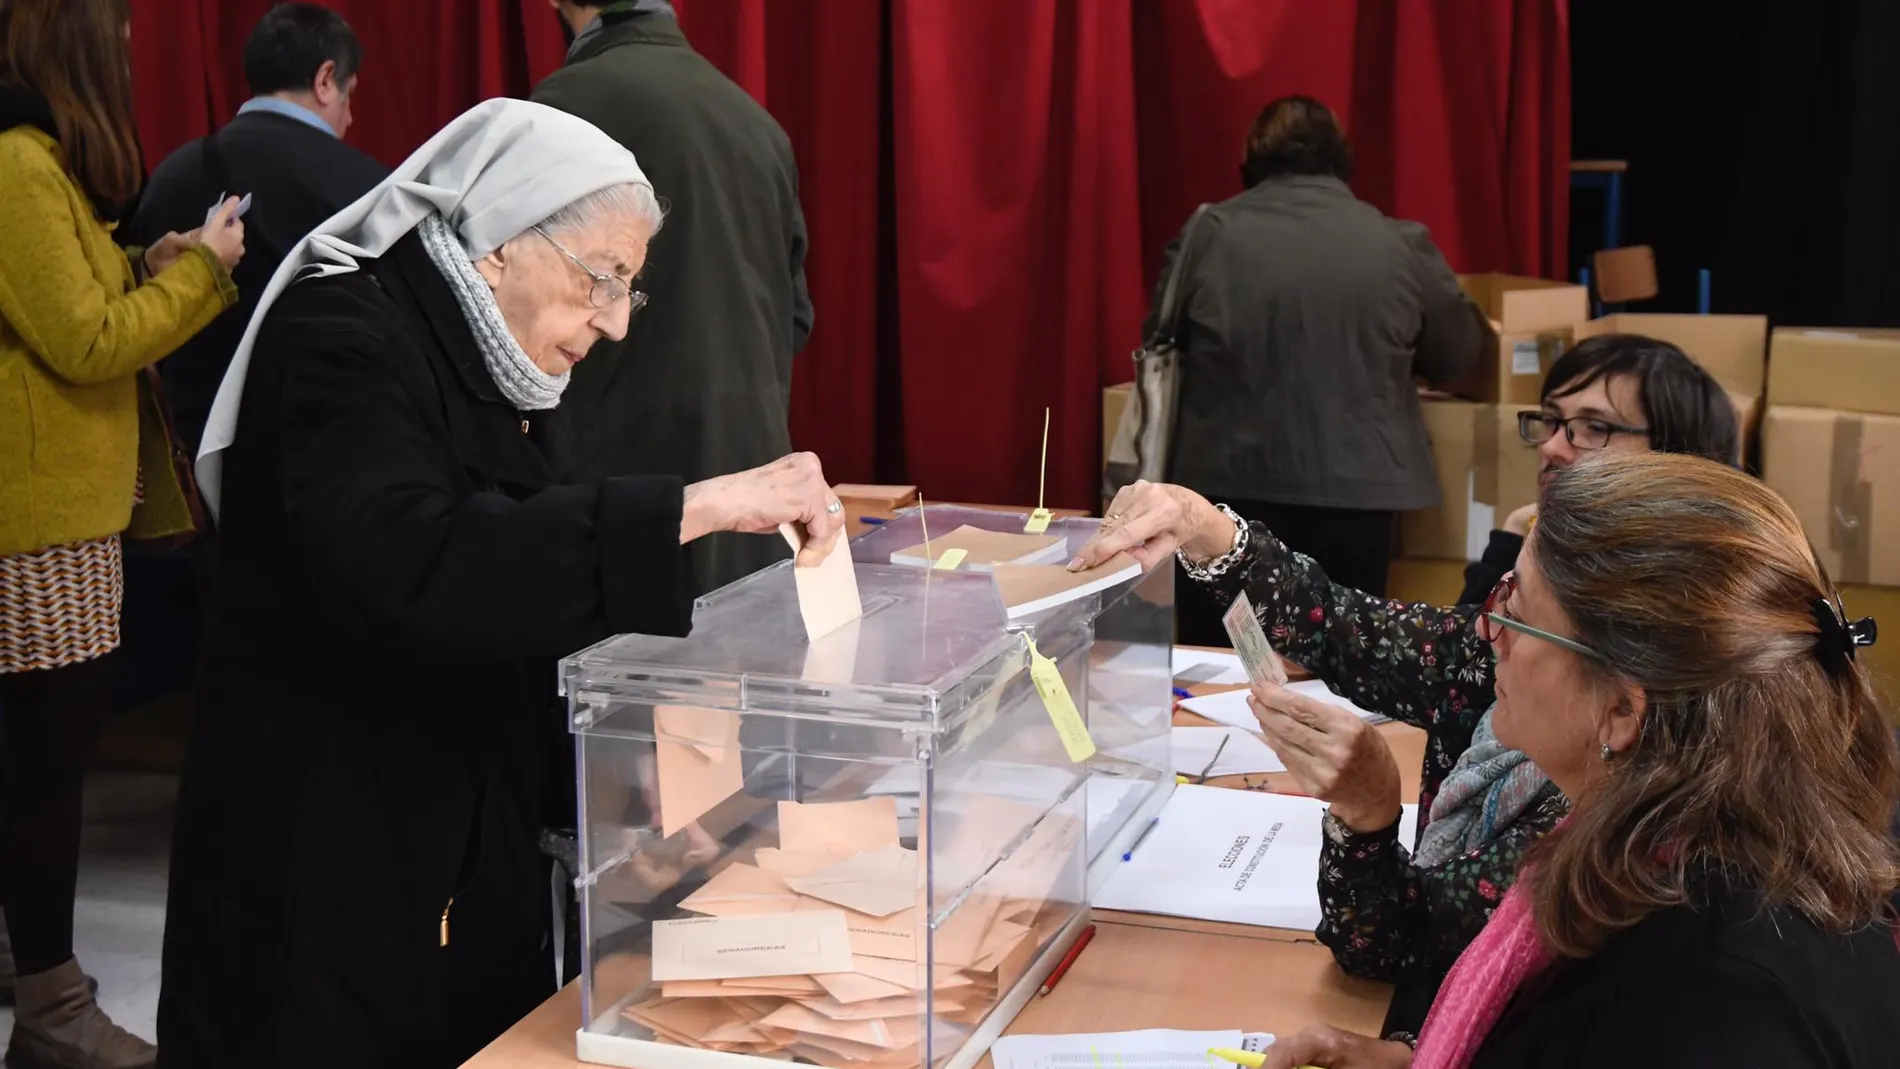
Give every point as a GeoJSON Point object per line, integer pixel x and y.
{"type": "Point", "coordinates": [1383, 918]}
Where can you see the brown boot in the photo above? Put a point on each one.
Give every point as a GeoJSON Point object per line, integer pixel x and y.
{"type": "Point", "coordinates": [57, 1025]}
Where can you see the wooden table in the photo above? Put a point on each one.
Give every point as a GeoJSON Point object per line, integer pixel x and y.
{"type": "Point", "coordinates": [1140, 971]}
{"type": "Point", "coordinates": [1131, 976]}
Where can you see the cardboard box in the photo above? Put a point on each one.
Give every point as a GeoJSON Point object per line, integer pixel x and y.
{"type": "Point", "coordinates": [1519, 305]}
{"type": "Point", "coordinates": [1530, 325]}
{"type": "Point", "coordinates": [1849, 369]}
{"type": "Point", "coordinates": [1114, 400]}
{"type": "Point", "coordinates": [1837, 470]}
{"type": "Point", "coordinates": [1732, 349]}
{"type": "Point", "coordinates": [1485, 472]}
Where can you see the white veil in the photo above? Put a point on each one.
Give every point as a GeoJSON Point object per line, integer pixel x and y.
{"type": "Point", "coordinates": [493, 172]}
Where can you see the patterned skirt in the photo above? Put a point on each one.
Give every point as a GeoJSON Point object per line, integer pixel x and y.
{"type": "Point", "coordinates": [60, 605]}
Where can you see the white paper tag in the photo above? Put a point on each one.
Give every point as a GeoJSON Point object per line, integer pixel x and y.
{"type": "Point", "coordinates": [1524, 359]}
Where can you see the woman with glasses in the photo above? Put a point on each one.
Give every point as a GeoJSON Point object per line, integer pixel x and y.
{"type": "Point", "coordinates": [1387, 914]}
{"type": "Point", "coordinates": [356, 877]}
{"type": "Point", "coordinates": [1723, 892]}
{"type": "Point", "coordinates": [1617, 393]}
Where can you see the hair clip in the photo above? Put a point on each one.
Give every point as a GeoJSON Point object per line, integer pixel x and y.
{"type": "Point", "coordinates": [1840, 638]}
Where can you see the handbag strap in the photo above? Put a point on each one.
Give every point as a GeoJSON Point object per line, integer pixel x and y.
{"type": "Point", "coordinates": [1168, 316]}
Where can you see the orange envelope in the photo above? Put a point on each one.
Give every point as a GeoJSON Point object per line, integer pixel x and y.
{"type": "Point", "coordinates": [961, 938]}
{"type": "Point", "coordinates": [877, 883]}
{"type": "Point", "coordinates": [751, 946]}
{"type": "Point", "coordinates": [839, 827]}
{"type": "Point", "coordinates": [786, 985]}
{"type": "Point", "coordinates": [895, 1006]}
{"type": "Point", "coordinates": [796, 862]}
{"type": "Point", "coordinates": [999, 943]}
{"type": "Point", "coordinates": [882, 1033]}
{"type": "Point", "coordinates": [699, 765]}
{"type": "Point", "coordinates": [853, 987]}
{"type": "Point", "coordinates": [828, 594]}
{"type": "Point", "coordinates": [741, 889]}
{"type": "Point", "coordinates": [893, 937]}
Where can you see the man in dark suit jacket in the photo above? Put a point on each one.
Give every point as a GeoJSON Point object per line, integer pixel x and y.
{"type": "Point", "coordinates": [701, 386]}
{"type": "Point", "coordinates": [285, 149]}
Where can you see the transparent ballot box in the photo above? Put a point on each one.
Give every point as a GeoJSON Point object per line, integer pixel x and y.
{"type": "Point", "coordinates": [863, 851]}
{"type": "Point", "coordinates": [1120, 633]}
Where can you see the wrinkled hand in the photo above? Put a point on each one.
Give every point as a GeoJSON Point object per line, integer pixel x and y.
{"type": "Point", "coordinates": [1333, 754]}
{"type": "Point", "coordinates": [1148, 521]}
{"type": "Point", "coordinates": [166, 251]}
{"type": "Point", "coordinates": [223, 235]}
{"type": "Point", "coordinates": [1519, 521]}
{"type": "Point", "coordinates": [1329, 1048]}
{"type": "Point", "coordinates": [791, 489]}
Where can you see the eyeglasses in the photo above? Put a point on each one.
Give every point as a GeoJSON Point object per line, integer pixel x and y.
{"type": "Point", "coordinates": [1492, 622]}
{"type": "Point", "coordinates": [607, 288]}
{"type": "Point", "coordinates": [1584, 432]}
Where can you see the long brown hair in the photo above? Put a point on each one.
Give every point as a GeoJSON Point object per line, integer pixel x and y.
{"type": "Point", "coordinates": [1763, 759]}
{"type": "Point", "coordinates": [73, 53]}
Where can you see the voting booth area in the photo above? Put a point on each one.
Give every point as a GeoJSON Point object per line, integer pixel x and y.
{"type": "Point", "coordinates": [858, 826]}
{"type": "Point", "coordinates": [871, 813]}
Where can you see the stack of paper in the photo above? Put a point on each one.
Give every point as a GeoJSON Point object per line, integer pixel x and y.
{"type": "Point", "coordinates": [815, 947]}
{"type": "Point", "coordinates": [1224, 855]}
{"type": "Point", "coordinates": [1033, 588]}
{"type": "Point", "coordinates": [1230, 707]}
{"type": "Point", "coordinates": [1222, 751]}
{"type": "Point", "coordinates": [1155, 1048]}
{"type": "Point", "coordinates": [983, 550]}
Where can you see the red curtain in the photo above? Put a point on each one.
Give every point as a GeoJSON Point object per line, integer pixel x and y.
{"type": "Point", "coordinates": [988, 183]}
{"type": "Point", "coordinates": [1018, 269]}
{"type": "Point", "coordinates": [1459, 112]}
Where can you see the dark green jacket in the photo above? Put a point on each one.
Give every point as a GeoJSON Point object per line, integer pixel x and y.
{"type": "Point", "coordinates": [1309, 314]}
{"type": "Point", "coordinates": [702, 384]}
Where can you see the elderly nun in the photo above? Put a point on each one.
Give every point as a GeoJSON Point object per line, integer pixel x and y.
{"type": "Point", "coordinates": [355, 878]}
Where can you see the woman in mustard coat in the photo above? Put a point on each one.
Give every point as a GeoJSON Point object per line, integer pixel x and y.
{"type": "Point", "coordinates": [82, 459]}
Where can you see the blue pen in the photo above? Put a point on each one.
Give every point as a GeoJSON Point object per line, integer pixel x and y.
{"type": "Point", "coordinates": [1139, 839]}
{"type": "Point", "coordinates": [871, 519]}
{"type": "Point", "coordinates": [1182, 693]}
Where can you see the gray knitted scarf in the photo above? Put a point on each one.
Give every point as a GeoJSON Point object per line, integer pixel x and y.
{"type": "Point", "coordinates": [526, 386]}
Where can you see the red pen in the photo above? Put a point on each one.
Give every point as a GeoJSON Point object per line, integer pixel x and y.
{"type": "Point", "coordinates": [1062, 967]}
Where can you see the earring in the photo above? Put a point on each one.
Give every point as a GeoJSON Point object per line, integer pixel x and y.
{"type": "Point", "coordinates": [1608, 754]}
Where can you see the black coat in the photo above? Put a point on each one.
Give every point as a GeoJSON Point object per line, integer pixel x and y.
{"type": "Point", "coordinates": [701, 385]}
{"type": "Point", "coordinates": [377, 714]}
{"type": "Point", "coordinates": [297, 177]}
{"type": "Point", "coordinates": [1729, 985]}
{"type": "Point", "coordinates": [1308, 316]}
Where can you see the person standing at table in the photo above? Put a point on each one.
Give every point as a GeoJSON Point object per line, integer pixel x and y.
{"type": "Point", "coordinates": [1308, 316]}
{"type": "Point", "coordinates": [702, 384]}
{"type": "Point", "coordinates": [356, 875]}
{"type": "Point", "coordinates": [84, 461]}
{"type": "Point", "coordinates": [285, 150]}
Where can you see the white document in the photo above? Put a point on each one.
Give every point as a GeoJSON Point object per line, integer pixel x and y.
{"type": "Point", "coordinates": [1246, 857]}
{"type": "Point", "coordinates": [1319, 691]}
{"type": "Point", "coordinates": [1155, 1048]}
{"type": "Point", "coordinates": [1230, 706]}
{"type": "Point", "coordinates": [760, 944]}
{"type": "Point", "coordinates": [1241, 753]}
{"type": "Point", "coordinates": [1200, 666]}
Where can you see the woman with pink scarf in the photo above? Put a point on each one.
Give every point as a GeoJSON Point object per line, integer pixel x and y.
{"type": "Point", "coordinates": [1723, 893]}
